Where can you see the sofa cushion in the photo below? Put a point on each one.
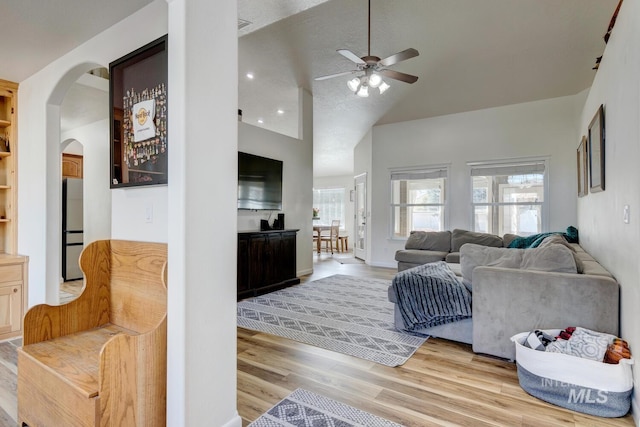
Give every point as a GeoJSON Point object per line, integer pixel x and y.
{"type": "Point", "coordinates": [460, 237]}
{"type": "Point", "coordinates": [429, 240]}
{"type": "Point", "coordinates": [556, 239]}
{"type": "Point", "coordinates": [508, 238]}
{"type": "Point", "coordinates": [419, 257]}
{"type": "Point", "coordinates": [453, 257]}
{"type": "Point", "coordinates": [557, 258]}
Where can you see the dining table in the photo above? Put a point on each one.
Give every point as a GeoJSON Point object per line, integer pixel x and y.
{"type": "Point", "coordinates": [317, 232]}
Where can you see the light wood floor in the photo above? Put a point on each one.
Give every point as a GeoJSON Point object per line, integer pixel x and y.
{"type": "Point", "coordinates": [443, 384]}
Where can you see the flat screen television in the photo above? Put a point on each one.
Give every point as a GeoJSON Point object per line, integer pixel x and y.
{"type": "Point", "coordinates": [259, 182]}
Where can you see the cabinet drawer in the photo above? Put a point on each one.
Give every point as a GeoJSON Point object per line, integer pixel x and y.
{"type": "Point", "coordinates": [11, 273]}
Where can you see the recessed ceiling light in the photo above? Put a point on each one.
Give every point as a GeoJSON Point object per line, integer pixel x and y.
{"type": "Point", "coordinates": [250, 76]}
{"type": "Point", "coordinates": [260, 121]}
{"type": "Point", "coordinates": [280, 111]}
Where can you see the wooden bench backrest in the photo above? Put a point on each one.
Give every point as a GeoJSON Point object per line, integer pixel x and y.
{"type": "Point", "coordinates": [127, 282]}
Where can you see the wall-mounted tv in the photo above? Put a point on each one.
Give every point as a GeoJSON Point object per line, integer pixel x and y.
{"type": "Point", "coordinates": [259, 182]}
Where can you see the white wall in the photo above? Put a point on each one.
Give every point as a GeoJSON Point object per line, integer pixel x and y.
{"type": "Point", "coordinates": [97, 196]}
{"type": "Point", "coordinates": [202, 272]}
{"type": "Point", "coordinates": [297, 180]}
{"type": "Point", "coordinates": [541, 128]}
{"type": "Point", "coordinates": [39, 98]}
{"type": "Point", "coordinates": [600, 215]}
{"type": "Point", "coordinates": [139, 213]}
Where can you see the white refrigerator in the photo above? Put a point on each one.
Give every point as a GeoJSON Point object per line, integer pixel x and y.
{"type": "Point", "coordinates": [72, 242]}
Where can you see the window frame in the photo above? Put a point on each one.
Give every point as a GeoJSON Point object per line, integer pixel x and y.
{"type": "Point", "coordinates": [418, 170]}
{"type": "Point", "coordinates": [506, 163]}
{"type": "Point", "coordinates": [344, 204]}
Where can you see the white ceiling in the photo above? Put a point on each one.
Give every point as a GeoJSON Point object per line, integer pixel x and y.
{"type": "Point", "coordinates": [473, 54]}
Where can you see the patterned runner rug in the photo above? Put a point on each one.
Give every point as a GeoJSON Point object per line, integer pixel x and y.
{"type": "Point", "coordinates": [304, 408]}
{"type": "Point", "coordinates": [341, 313]}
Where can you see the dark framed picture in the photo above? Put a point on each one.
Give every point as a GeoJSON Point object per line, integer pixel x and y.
{"type": "Point", "coordinates": [138, 116]}
{"type": "Point", "coordinates": [583, 167]}
{"type": "Point", "coordinates": [596, 151]}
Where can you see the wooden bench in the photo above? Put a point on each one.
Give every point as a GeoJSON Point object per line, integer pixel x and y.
{"type": "Point", "coordinates": [100, 360]}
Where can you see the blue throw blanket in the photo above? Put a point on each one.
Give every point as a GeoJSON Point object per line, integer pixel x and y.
{"type": "Point", "coordinates": [534, 240]}
{"type": "Point", "coordinates": [430, 295]}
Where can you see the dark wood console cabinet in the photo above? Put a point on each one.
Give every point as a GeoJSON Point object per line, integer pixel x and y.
{"type": "Point", "coordinates": [266, 261]}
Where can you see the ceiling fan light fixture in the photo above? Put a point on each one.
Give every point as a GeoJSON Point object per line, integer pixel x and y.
{"type": "Point", "coordinates": [383, 87]}
{"type": "Point", "coordinates": [354, 84]}
{"type": "Point", "coordinates": [375, 80]}
{"type": "Point", "coordinates": [363, 92]}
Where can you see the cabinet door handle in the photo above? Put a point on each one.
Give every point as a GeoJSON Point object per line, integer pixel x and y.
{"type": "Point", "coordinates": [15, 290]}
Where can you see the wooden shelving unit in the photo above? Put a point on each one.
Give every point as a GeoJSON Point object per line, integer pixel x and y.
{"type": "Point", "coordinates": [13, 267]}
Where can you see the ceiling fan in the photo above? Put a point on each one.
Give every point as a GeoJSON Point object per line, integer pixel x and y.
{"type": "Point", "coordinates": [372, 68]}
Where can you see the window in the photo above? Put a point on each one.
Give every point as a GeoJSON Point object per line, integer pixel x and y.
{"type": "Point", "coordinates": [330, 204]}
{"type": "Point", "coordinates": [509, 198]}
{"type": "Point", "coordinates": [418, 200]}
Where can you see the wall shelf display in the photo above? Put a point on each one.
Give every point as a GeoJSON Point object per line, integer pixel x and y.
{"type": "Point", "coordinates": [596, 151]}
{"type": "Point", "coordinates": [8, 152]}
{"type": "Point", "coordinates": [13, 267]}
{"type": "Point", "coordinates": [138, 112]}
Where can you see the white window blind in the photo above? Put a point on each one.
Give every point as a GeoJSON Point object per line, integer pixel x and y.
{"type": "Point", "coordinates": [509, 197]}
{"type": "Point", "coordinates": [418, 199]}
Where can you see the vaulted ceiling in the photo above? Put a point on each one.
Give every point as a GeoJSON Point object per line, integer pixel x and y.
{"type": "Point", "coordinates": [473, 54]}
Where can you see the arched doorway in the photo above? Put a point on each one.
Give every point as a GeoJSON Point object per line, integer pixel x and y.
{"type": "Point", "coordinates": [77, 111]}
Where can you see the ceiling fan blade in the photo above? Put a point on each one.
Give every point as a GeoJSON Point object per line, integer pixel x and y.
{"type": "Point", "coordinates": [400, 56]}
{"type": "Point", "coordinates": [397, 75]}
{"type": "Point", "coordinates": [330, 76]}
{"type": "Point", "coordinates": [351, 56]}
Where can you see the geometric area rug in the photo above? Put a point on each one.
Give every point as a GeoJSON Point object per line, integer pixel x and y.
{"type": "Point", "coordinates": [345, 314]}
{"type": "Point", "coordinates": [304, 408]}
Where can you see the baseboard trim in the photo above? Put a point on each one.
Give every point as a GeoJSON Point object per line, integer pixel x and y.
{"type": "Point", "coordinates": [304, 272]}
{"type": "Point", "coordinates": [236, 421]}
{"type": "Point", "coordinates": [383, 264]}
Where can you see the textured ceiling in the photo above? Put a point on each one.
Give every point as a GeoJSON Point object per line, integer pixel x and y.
{"type": "Point", "coordinates": [473, 54]}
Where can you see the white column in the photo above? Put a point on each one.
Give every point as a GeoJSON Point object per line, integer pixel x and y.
{"type": "Point", "coordinates": [202, 213]}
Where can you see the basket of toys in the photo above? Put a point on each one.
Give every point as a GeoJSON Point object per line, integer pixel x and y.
{"type": "Point", "coordinates": [576, 368]}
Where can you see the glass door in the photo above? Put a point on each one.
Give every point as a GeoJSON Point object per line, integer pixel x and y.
{"type": "Point", "coordinates": [360, 243]}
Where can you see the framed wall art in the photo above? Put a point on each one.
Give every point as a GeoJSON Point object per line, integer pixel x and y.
{"type": "Point", "coordinates": [596, 151]}
{"type": "Point", "coordinates": [583, 167]}
{"type": "Point", "coordinates": [138, 116]}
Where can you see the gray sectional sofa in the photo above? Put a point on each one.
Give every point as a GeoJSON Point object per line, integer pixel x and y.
{"type": "Point", "coordinates": [555, 285]}
{"type": "Point", "coordinates": [431, 246]}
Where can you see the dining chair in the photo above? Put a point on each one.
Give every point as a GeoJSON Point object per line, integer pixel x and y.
{"type": "Point", "coordinates": [331, 240]}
